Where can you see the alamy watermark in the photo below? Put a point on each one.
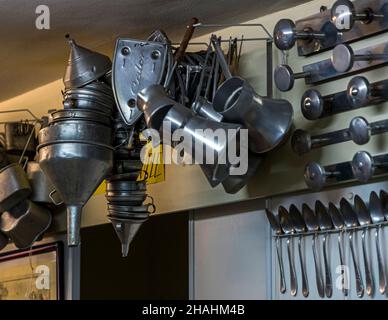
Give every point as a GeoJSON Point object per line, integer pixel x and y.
{"type": "Point", "coordinates": [42, 21]}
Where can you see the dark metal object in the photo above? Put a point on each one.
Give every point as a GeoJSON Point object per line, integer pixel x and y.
{"type": "Point", "coordinates": [350, 220]}
{"type": "Point", "coordinates": [325, 224]}
{"type": "Point", "coordinates": [300, 227]}
{"type": "Point", "coordinates": [361, 93]}
{"type": "Point", "coordinates": [275, 225]}
{"type": "Point", "coordinates": [316, 176]}
{"type": "Point", "coordinates": [17, 138]}
{"type": "Point", "coordinates": [315, 106]}
{"type": "Point", "coordinates": [344, 15]}
{"type": "Point", "coordinates": [285, 35]}
{"type": "Point", "coordinates": [343, 57]}
{"type": "Point", "coordinates": [288, 229]}
{"type": "Point", "coordinates": [339, 224]}
{"type": "Point", "coordinates": [80, 114]}
{"type": "Point", "coordinates": [3, 241]}
{"type": "Point", "coordinates": [14, 186]}
{"type": "Point", "coordinates": [76, 170]}
{"type": "Point", "coordinates": [377, 207]}
{"type": "Point", "coordinates": [268, 120]}
{"type": "Point", "coordinates": [358, 32]}
{"type": "Point", "coordinates": [25, 223]}
{"type": "Point", "coordinates": [136, 65]}
{"type": "Point", "coordinates": [285, 77]}
{"type": "Point", "coordinates": [312, 225]}
{"type": "Point", "coordinates": [84, 66]}
{"type": "Point", "coordinates": [364, 165]}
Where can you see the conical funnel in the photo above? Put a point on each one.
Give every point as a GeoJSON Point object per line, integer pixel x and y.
{"type": "Point", "coordinates": [126, 230]}
{"type": "Point", "coordinates": [76, 170]}
{"type": "Point", "coordinates": [84, 66]}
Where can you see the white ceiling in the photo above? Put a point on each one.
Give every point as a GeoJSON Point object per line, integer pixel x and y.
{"type": "Point", "coordinates": [32, 57]}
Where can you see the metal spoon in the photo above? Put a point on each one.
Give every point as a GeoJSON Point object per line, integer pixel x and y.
{"type": "Point", "coordinates": [339, 224]}
{"type": "Point", "coordinates": [350, 220]}
{"type": "Point", "coordinates": [325, 224]}
{"type": "Point", "coordinates": [300, 227]}
{"type": "Point", "coordinates": [377, 215]}
{"type": "Point", "coordinates": [312, 225]}
{"type": "Point", "coordinates": [384, 203]}
{"type": "Point", "coordinates": [364, 220]}
{"type": "Point", "coordinates": [274, 222]}
{"type": "Point", "coordinates": [288, 229]}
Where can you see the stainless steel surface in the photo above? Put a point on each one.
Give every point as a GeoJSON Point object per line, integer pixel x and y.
{"type": "Point", "coordinates": [364, 220]}
{"type": "Point", "coordinates": [377, 216]}
{"type": "Point", "coordinates": [325, 224]}
{"type": "Point", "coordinates": [363, 166]}
{"type": "Point", "coordinates": [84, 66]}
{"type": "Point", "coordinates": [275, 225]}
{"type": "Point", "coordinates": [339, 224]}
{"type": "Point", "coordinates": [361, 93]}
{"type": "Point", "coordinates": [80, 114]}
{"type": "Point", "coordinates": [312, 225]}
{"type": "Point", "coordinates": [300, 227]}
{"type": "Point", "coordinates": [76, 170]}
{"type": "Point", "coordinates": [25, 223]}
{"type": "Point", "coordinates": [268, 120]}
{"type": "Point", "coordinates": [350, 220]}
{"type": "Point", "coordinates": [14, 186]}
{"type": "Point", "coordinates": [288, 229]}
{"type": "Point", "coordinates": [285, 77]}
{"type": "Point", "coordinates": [136, 65]}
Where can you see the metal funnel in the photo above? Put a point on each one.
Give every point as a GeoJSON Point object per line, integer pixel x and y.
{"type": "Point", "coordinates": [84, 66]}
{"type": "Point", "coordinates": [126, 230]}
{"type": "Point", "coordinates": [76, 170]}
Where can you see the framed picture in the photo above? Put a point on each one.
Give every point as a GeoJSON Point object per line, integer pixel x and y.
{"type": "Point", "coordinates": [32, 274]}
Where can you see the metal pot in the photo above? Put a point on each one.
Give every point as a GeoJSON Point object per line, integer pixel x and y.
{"type": "Point", "coordinates": [25, 223]}
{"type": "Point", "coordinates": [72, 103]}
{"type": "Point", "coordinates": [17, 135]}
{"type": "Point", "coordinates": [80, 114]}
{"type": "Point", "coordinates": [42, 188]}
{"type": "Point", "coordinates": [116, 186]}
{"type": "Point", "coordinates": [14, 186]}
{"type": "Point", "coordinates": [76, 130]}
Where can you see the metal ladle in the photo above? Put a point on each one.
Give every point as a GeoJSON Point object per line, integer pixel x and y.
{"type": "Point", "coordinates": [325, 224]}
{"type": "Point", "coordinates": [289, 230]}
{"type": "Point", "coordinates": [339, 224]}
{"type": "Point", "coordinates": [300, 227]}
{"type": "Point", "coordinates": [312, 225]}
{"type": "Point", "coordinates": [377, 215]}
{"type": "Point", "coordinates": [274, 222]}
{"type": "Point", "coordinates": [364, 220]}
{"type": "Point", "coordinates": [350, 220]}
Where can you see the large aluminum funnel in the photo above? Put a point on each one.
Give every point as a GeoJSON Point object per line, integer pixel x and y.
{"type": "Point", "coordinates": [126, 230]}
{"type": "Point", "coordinates": [84, 66]}
{"type": "Point", "coordinates": [268, 120]}
{"type": "Point", "coordinates": [76, 170]}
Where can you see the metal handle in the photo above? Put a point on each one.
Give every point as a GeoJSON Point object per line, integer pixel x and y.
{"type": "Point", "coordinates": [293, 281]}
{"type": "Point", "coordinates": [186, 39]}
{"type": "Point", "coordinates": [345, 289]}
{"type": "Point", "coordinates": [382, 279]}
{"type": "Point", "coordinates": [328, 279]}
{"type": "Point", "coordinates": [282, 288]}
{"type": "Point", "coordinates": [305, 285]}
{"type": "Point", "coordinates": [221, 58]}
{"type": "Point", "coordinates": [359, 284]}
{"type": "Point", "coordinates": [368, 274]}
{"type": "Point", "coordinates": [318, 275]}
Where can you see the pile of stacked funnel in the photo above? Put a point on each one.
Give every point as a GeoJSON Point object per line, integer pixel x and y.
{"type": "Point", "coordinates": [125, 190]}
{"type": "Point", "coordinates": [76, 148]}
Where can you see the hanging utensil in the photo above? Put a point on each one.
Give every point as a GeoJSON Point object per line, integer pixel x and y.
{"type": "Point", "coordinates": [350, 220]}
{"type": "Point", "coordinates": [377, 215]}
{"type": "Point", "coordinates": [312, 225]}
{"type": "Point", "coordinates": [288, 229]}
{"type": "Point", "coordinates": [274, 222]}
{"type": "Point", "coordinates": [300, 227]}
{"type": "Point", "coordinates": [364, 219]}
{"type": "Point", "coordinates": [325, 224]}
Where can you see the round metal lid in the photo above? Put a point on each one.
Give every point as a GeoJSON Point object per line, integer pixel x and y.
{"type": "Point", "coordinates": [362, 166]}
{"type": "Point", "coordinates": [284, 34]}
{"type": "Point", "coordinates": [342, 15]}
{"type": "Point", "coordinates": [359, 130]}
{"type": "Point", "coordinates": [358, 91]}
{"type": "Point", "coordinates": [301, 141]}
{"type": "Point", "coordinates": [342, 57]}
{"type": "Point", "coordinates": [284, 78]}
{"type": "Point", "coordinates": [312, 104]}
{"type": "Point", "coordinates": [314, 176]}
